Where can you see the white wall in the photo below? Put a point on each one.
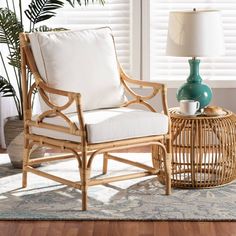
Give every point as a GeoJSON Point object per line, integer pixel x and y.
{"type": "Point", "coordinates": [221, 97]}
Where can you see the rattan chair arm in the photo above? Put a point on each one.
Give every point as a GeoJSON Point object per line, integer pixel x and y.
{"type": "Point", "coordinates": [44, 90]}
{"type": "Point", "coordinates": [60, 92]}
{"type": "Point", "coordinates": [58, 111]}
{"type": "Point", "coordinates": [126, 80]}
{"type": "Point", "coordinates": [141, 82]}
{"type": "Point", "coordinates": [141, 99]}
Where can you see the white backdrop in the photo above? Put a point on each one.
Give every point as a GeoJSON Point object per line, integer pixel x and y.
{"type": "Point", "coordinates": [7, 106]}
{"type": "Point", "coordinates": [7, 109]}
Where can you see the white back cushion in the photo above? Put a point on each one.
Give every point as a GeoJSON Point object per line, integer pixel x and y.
{"type": "Point", "coordinates": [82, 61]}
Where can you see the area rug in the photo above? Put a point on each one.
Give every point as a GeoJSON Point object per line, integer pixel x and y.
{"type": "Point", "coordinates": [139, 199]}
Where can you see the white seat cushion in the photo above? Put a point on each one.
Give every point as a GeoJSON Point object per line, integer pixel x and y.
{"type": "Point", "coordinates": [111, 124]}
{"type": "Point", "coordinates": [82, 61]}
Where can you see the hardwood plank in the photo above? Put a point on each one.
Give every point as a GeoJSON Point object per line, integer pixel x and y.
{"type": "Point", "coordinates": [206, 227]}
{"type": "Point", "coordinates": [8, 228]}
{"type": "Point", "coordinates": [146, 228]}
{"type": "Point", "coordinates": [191, 229]}
{"type": "Point", "coordinates": [71, 228]}
{"type": "Point", "coordinates": [101, 228]}
{"type": "Point", "coordinates": [24, 229]}
{"type": "Point", "coordinates": [116, 228]}
{"type": "Point", "coordinates": [176, 229]}
{"type": "Point", "coordinates": [225, 229]}
{"type": "Point", "coordinates": [86, 228]}
{"type": "Point", "coordinates": [162, 228]}
{"type": "Point", "coordinates": [56, 228]}
{"type": "Point", "coordinates": [40, 228]}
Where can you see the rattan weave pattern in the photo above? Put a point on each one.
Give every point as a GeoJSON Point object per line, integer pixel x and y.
{"type": "Point", "coordinates": [203, 149]}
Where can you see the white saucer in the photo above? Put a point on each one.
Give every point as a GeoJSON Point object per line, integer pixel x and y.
{"type": "Point", "coordinates": [182, 114]}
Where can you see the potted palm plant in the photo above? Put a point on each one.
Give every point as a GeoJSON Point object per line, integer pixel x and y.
{"type": "Point", "coordinates": [11, 24]}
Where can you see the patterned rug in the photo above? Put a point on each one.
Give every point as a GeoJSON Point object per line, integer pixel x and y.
{"type": "Point", "coordinates": [140, 199]}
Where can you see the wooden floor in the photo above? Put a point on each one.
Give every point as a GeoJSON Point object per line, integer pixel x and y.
{"type": "Point", "coordinates": [115, 228]}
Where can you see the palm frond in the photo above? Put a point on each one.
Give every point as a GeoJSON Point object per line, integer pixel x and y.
{"type": "Point", "coordinates": [14, 60]}
{"type": "Point", "coordinates": [44, 28]}
{"type": "Point", "coordinates": [72, 3]}
{"type": "Point", "coordinates": [86, 2]}
{"type": "Point", "coordinates": [6, 89]}
{"type": "Point", "coordinates": [40, 10]}
{"type": "Point", "coordinates": [10, 28]}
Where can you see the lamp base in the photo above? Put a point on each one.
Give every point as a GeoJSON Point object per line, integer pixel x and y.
{"type": "Point", "coordinates": [194, 89]}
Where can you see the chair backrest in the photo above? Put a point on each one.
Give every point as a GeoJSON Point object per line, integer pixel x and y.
{"type": "Point", "coordinates": [82, 61]}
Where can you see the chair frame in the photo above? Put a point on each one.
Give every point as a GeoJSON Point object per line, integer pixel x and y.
{"type": "Point", "coordinates": [83, 151]}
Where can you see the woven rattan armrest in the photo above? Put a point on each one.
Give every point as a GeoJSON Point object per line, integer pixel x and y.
{"type": "Point", "coordinates": [141, 99]}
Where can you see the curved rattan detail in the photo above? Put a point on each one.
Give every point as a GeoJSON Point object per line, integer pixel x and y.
{"type": "Point", "coordinates": [140, 99]}
{"type": "Point", "coordinates": [53, 113]}
{"type": "Point", "coordinates": [140, 102]}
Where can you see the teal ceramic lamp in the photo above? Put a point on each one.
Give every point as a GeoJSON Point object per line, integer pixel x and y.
{"type": "Point", "coordinates": [195, 34]}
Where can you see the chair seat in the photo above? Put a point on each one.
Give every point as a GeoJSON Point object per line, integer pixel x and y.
{"type": "Point", "coordinates": [114, 124]}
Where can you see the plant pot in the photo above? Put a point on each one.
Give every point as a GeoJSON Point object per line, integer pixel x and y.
{"type": "Point", "coordinates": [14, 139]}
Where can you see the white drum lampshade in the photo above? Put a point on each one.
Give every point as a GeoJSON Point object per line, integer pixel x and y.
{"type": "Point", "coordinates": [195, 34]}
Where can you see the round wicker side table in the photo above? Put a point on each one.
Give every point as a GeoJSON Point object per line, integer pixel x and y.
{"type": "Point", "coordinates": [204, 149]}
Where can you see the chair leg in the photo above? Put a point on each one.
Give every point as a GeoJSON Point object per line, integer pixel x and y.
{"type": "Point", "coordinates": [105, 163]}
{"type": "Point", "coordinates": [84, 186]}
{"type": "Point", "coordinates": [25, 163]}
{"type": "Point", "coordinates": [155, 157]}
{"type": "Point", "coordinates": [168, 166]}
{"type": "Point", "coordinates": [84, 189]}
{"type": "Point", "coordinates": [168, 173]}
{"type": "Point", "coordinates": [84, 181]}
{"type": "Point", "coordinates": [84, 199]}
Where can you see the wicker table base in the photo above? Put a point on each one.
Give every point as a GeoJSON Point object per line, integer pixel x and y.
{"type": "Point", "coordinates": [204, 150]}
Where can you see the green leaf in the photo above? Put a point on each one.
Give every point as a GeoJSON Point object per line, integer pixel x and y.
{"type": "Point", "coordinates": [44, 28]}
{"type": "Point", "coordinates": [40, 10]}
{"type": "Point", "coordinates": [6, 88]}
{"type": "Point", "coordinates": [70, 2]}
{"type": "Point", "coordinates": [86, 2]}
{"type": "Point", "coordinates": [10, 28]}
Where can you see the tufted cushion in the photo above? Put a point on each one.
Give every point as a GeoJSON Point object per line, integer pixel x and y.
{"type": "Point", "coordinates": [112, 124]}
{"type": "Point", "coordinates": [82, 61]}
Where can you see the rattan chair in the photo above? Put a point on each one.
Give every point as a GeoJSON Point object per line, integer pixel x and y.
{"type": "Point", "coordinates": [84, 109]}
